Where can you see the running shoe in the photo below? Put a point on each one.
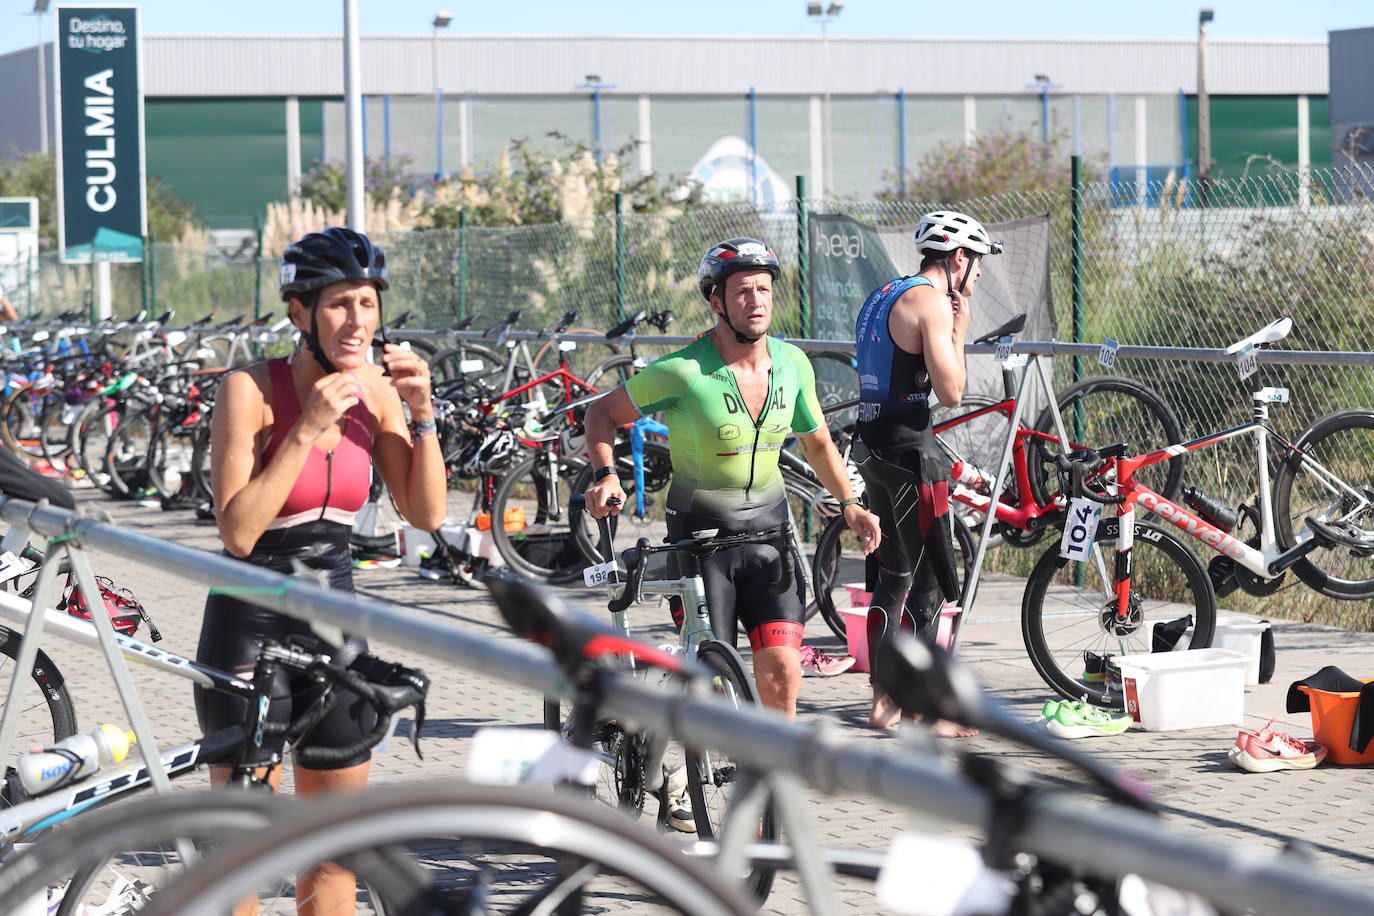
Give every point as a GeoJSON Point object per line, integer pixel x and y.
{"type": "Point", "coordinates": [147, 496]}
{"type": "Point", "coordinates": [816, 663]}
{"type": "Point", "coordinates": [373, 559]}
{"type": "Point", "coordinates": [680, 815]}
{"type": "Point", "coordinates": [1268, 750]}
{"type": "Point", "coordinates": [1080, 719]}
{"type": "Point", "coordinates": [436, 565]}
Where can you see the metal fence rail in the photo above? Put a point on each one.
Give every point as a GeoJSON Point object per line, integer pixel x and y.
{"type": "Point", "coordinates": [1059, 827]}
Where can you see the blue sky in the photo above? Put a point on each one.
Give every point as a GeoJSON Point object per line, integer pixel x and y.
{"type": "Point", "coordinates": [990, 18]}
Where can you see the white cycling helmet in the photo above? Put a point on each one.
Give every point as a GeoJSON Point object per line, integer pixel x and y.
{"type": "Point", "coordinates": [948, 230]}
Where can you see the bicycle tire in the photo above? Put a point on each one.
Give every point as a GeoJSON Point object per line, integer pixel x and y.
{"type": "Point", "coordinates": [127, 456]}
{"type": "Point", "coordinates": [826, 570]}
{"type": "Point", "coordinates": [658, 470]}
{"type": "Point", "coordinates": [19, 424]}
{"type": "Point", "coordinates": [170, 459]}
{"type": "Point", "coordinates": [446, 365]}
{"type": "Point", "coordinates": [137, 834]}
{"type": "Point", "coordinates": [91, 440]}
{"type": "Point", "coordinates": [200, 464]}
{"type": "Point", "coordinates": [544, 547]}
{"type": "Point", "coordinates": [45, 720]}
{"type": "Point", "coordinates": [1342, 440]}
{"type": "Point", "coordinates": [54, 433]}
{"type": "Point", "coordinates": [1057, 629]}
{"type": "Point", "coordinates": [619, 368]}
{"type": "Point", "coordinates": [532, 833]}
{"type": "Point", "coordinates": [1137, 415]}
{"type": "Point", "coordinates": [711, 774]}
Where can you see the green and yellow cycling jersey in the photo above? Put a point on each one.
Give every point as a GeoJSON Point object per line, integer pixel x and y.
{"type": "Point", "coordinates": [725, 463]}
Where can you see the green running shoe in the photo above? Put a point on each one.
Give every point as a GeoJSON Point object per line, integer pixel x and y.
{"type": "Point", "coordinates": [1077, 719]}
{"type": "Point", "coordinates": [1048, 710]}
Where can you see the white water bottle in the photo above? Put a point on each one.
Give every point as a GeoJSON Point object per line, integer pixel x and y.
{"type": "Point", "coordinates": [73, 758]}
{"type": "Point", "coordinates": [967, 473]}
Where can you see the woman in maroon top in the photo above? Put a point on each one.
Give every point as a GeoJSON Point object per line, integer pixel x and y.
{"type": "Point", "coordinates": [293, 442]}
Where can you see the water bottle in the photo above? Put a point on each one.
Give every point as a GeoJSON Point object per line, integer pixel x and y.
{"type": "Point", "coordinates": [73, 758]}
{"type": "Point", "coordinates": [968, 474]}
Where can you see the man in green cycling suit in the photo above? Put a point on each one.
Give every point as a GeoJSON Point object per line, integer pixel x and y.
{"type": "Point", "coordinates": [731, 398]}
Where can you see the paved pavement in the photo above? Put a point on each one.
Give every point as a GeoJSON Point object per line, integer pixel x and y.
{"type": "Point", "coordinates": [1328, 808]}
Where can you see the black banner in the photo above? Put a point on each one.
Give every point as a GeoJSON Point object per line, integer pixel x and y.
{"type": "Point", "coordinates": [100, 173]}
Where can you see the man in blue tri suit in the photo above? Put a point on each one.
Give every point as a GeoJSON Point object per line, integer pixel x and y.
{"type": "Point", "coordinates": [910, 339]}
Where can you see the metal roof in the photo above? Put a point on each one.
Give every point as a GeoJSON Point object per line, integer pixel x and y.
{"type": "Point", "coordinates": [256, 65]}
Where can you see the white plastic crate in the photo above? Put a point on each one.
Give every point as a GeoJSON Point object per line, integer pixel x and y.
{"type": "Point", "coordinates": [1199, 688]}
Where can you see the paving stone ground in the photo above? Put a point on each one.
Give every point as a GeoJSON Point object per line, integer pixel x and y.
{"type": "Point", "coordinates": [1326, 808]}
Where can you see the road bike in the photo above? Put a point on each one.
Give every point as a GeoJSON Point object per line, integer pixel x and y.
{"type": "Point", "coordinates": [632, 760]}
{"type": "Point", "coordinates": [1316, 518]}
{"type": "Point", "coordinates": [1030, 502]}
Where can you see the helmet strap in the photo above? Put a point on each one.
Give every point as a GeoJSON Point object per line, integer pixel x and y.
{"type": "Point", "coordinates": [312, 340]}
{"type": "Point", "coordinates": [725, 314]}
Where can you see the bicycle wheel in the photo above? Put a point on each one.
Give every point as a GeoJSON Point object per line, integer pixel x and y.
{"type": "Point", "coordinates": [54, 431]}
{"type": "Point", "coordinates": [20, 427]}
{"type": "Point", "coordinates": [1332, 479]}
{"type": "Point", "coordinates": [612, 372]}
{"type": "Point", "coordinates": [466, 361]}
{"type": "Point", "coordinates": [1069, 628]}
{"type": "Point", "coordinates": [48, 714]}
{"type": "Point", "coordinates": [476, 849]}
{"type": "Point", "coordinates": [712, 776]}
{"type": "Point", "coordinates": [127, 456]}
{"type": "Point", "coordinates": [837, 380]}
{"type": "Point", "coordinates": [977, 442]}
{"type": "Point", "coordinates": [631, 523]}
{"type": "Point", "coordinates": [200, 464]}
{"type": "Point", "coordinates": [838, 568]}
{"type": "Point", "coordinates": [533, 500]}
{"type": "Point", "coordinates": [84, 860]}
{"type": "Point", "coordinates": [1103, 411]}
{"type": "Point", "coordinates": [170, 460]}
{"type": "Point", "coordinates": [90, 437]}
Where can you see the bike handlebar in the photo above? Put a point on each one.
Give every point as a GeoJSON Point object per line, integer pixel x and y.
{"type": "Point", "coordinates": [1084, 462]}
{"type": "Point", "coordinates": [778, 538]}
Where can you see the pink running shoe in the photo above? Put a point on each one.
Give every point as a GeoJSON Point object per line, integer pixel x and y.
{"type": "Point", "coordinates": [817, 664]}
{"type": "Point", "coordinates": [1268, 750]}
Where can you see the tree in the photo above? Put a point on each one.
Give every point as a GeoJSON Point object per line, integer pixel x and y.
{"type": "Point", "coordinates": [996, 163]}
{"type": "Point", "coordinates": [35, 175]}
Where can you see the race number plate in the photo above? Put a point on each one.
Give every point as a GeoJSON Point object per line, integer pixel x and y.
{"type": "Point", "coordinates": [1106, 356]}
{"type": "Point", "coordinates": [598, 574]}
{"type": "Point", "coordinates": [511, 756]}
{"type": "Point", "coordinates": [1248, 361]}
{"type": "Point", "coordinates": [1080, 528]}
{"type": "Point", "coordinates": [1003, 349]}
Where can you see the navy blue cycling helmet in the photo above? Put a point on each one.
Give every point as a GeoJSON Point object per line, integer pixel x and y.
{"type": "Point", "coordinates": [322, 258]}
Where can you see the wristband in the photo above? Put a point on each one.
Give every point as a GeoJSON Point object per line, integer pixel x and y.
{"type": "Point", "coordinates": [850, 501]}
{"type": "Point", "coordinates": [601, 474]}
{"type": "Point", "coordinates": [420, 430]}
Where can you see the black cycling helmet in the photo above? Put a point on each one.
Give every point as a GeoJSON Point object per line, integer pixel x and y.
{"type": "Point", "coordinates": [732, 256]}
{"type": "Point", "coordinates": [322, 258]}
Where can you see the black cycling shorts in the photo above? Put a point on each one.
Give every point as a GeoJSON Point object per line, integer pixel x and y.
{"type": "Point", "coordinates": [232, 628]}
{"type": "Point", "coordinates": [738, 581]}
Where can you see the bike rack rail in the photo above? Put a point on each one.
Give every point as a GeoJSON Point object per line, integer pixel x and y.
{"type": "Point", "coordinates": [1058, 825]}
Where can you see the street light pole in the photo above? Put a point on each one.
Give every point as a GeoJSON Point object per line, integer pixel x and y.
{"type": "Point", "coordinates": [441, 21]}
{"type": "Point", "coordinates": [39, 8]}
{"type": "Point", "coordinates": [1042, 82]}
{"type": "Point", "coordinates": [1204, 113]}
{"type": "Point", "coordinates": [593, 82]}
{"type": "Point", "coordinates": [825, 17]}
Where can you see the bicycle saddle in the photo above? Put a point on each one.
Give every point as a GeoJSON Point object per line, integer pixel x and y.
{"type": "Point", "coordinates": [627, 325]}
{"type": "Point", "coordinates": [1275, 330]}
{"type": "Point", "coordinates": [1015, 326]}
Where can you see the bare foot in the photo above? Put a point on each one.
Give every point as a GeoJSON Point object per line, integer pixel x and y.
{"type": "Point", "coordinates": [885, 713]}
{"type": "Point", "coordinates": [943, 728]}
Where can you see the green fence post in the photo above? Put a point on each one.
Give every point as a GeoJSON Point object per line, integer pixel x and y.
{"type": "Point", "coordinates": [620, 251]}
{"type": "Point", "coordinates": [1076, 274]}
{"type": "Point", "coordinates": [462, 263]}
{"type": "Point", "coordinates": [152, 273]}
{"type": "Point", "coordinates": [257, 272]}
{"type": "Point", "coordinates": [1076, 258]}
{"type": "Point", "coordinates": [803, 280]}
{"type": "Point", "coordinates": [143, 275]}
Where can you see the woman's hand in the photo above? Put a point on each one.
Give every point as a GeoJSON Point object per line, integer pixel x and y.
{"type": "Point", "coordinates": [410, 377]}
{"type": "Point", "coordinates": [330, 398]}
